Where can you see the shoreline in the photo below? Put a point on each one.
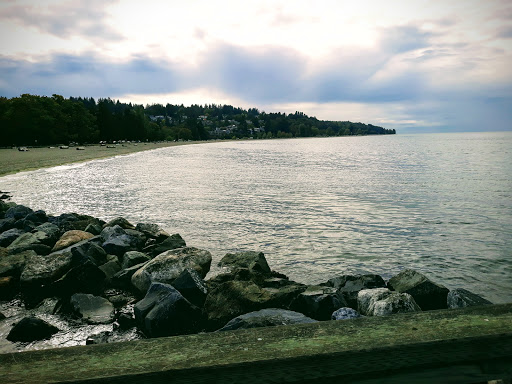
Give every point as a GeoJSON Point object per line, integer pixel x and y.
{"type": "Point", "coordinates": [14, 161]}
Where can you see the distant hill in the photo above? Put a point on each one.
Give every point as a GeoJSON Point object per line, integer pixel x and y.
{"type": "Point", "coordinates": [40, 120]}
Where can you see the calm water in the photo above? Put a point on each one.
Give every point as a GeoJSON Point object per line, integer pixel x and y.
{"type": "Point", "coordinates": [439, 203]}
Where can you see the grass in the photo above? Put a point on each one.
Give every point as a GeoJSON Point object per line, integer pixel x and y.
{"type": "Point", "coordinates": [13, 161]}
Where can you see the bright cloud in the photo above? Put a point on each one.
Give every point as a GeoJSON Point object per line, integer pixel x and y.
{"type": "Point", "coordinates": [409, 65]}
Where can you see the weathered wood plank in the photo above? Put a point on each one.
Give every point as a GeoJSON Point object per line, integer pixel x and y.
{"type": "Point", "coordinates": [464, 345]}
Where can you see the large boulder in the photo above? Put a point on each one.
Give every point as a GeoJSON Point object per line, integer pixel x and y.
{"type": "Point", "coordinates": [12, 265]}
{"type": "Point", "coordinates": [83, 277]}
{"type": "Point", "coordinates": [461, 298]}
{"type": "Point", "coordinates": [123, 278]}
{"type": "Point", "coordinates": [350, 285]}
{"type": "Point", "coordinates": [172, 242]}
{"type": "Point", "coordinates": [71, 237]}
{"type": "Point", "coordinates": [132, 258]}
{"type": "Point", "coordinates": [381, 302]}
{"type": "Point", "coordinates": [47, 233]}
{"type": "Point", "coordinates": [318, 302]}
{"type": "Point", "coordinates": [70, 221]}
{"type": "Point", "coordinates": [427, 294]}
{"type": "Point", "coordinates": [31, 329]}
{"type": "Point", "coordinates": [17, 212]}
{"type": "Point", "coordinates": [28, 241]}
{"type": "Point", "coordinates": [166, 267]}
{"type": "Point", "coordinates": [7, 237]}
{"type": "Point", "coordinates": [121, 221]}
{"type": "Point", "coordinates": [90, 250]}
{"type": "Point", "coordinates": [6, 224]}
{"type": "Point", "coordinates": [118, 241]}
{"type": "Point", "coordinates": [253, 261]}
{"type": "Point", "coordinates": [165, 312]}
{"type": "Point", "coordinates": [269, 317]}
{"type": "Point", "coordinates": [152, 231]}
{"type": "Point", "coordinates": [92, 309]}
{"type": "Point", "coordinates": [8, 287]}
{"type": "Point", "coordinates": [191, 286]}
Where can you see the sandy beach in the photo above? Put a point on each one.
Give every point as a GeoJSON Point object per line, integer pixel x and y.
{"type": "Point", "coordinates": [13, 160]}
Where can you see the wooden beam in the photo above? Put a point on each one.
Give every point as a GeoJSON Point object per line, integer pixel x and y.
{"type": "Point", "coordinates": [449, 346]}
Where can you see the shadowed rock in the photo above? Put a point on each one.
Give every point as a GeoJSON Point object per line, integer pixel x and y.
{"type": "Point", "coordinates": [31, 329]}
{"type": "Point", "coordinates": [460, 298]}
{"type": "Point", "coordinates": [92, 309]}
{"type": "Point", "coordinates": [253, 261]}
{"type": "Point", "coordinates": [269, 317]}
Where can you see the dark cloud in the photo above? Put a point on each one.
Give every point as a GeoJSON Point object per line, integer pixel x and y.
{"type": "Point", "coordinates": [504, 33]}
{"type": "Point", "coordinates": [69, 19]}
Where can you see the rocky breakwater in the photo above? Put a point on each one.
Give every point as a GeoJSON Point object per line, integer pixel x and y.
{"type": "Point", "coordinates": [60, 274]}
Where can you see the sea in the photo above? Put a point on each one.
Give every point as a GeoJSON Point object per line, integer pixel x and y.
{"type": "Point", "coordinates": [317, 208]}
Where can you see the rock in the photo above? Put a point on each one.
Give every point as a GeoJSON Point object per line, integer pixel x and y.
{"type": "Point", "coordinates": [8, 287]}
{"type": "Point", "coordinates": [394, 303]}
{"type": "Point", "coordinates": [125, 317]}
{"type": "Point", "coordinates": [47, 233]}
{"type": "Point", "coordinates": [69, 221]}
{"type": "Point", "coordinates": [94, 228]}
{"type": "Point", "coordinates": [12, 265]}
{"type": "Point", "coordinates": [83, 277]}
{"type": "Point", "coordinates": [123, 278]}
{"type": "Point", "coordinates": [381, 301]}
{"type": "Point", "coordinates": [49, 306]}
{"type": "Point", "coordinates": [253, 261]}
{"type": "Point", "coordinates": [6, 224]}
{"type": "Point", "coordinates": [132, 258]}
{"type": "Point", "coordinates": [165, 312]}
{"type": "Point", "coordinates": [191, 286]}
{"type": "Point", "coordinates": [110, 268]}
{"type": "Point", "coordinates": [17, 212]}
{"type": "Point", "coordinates": [90, 250]}
{"type": "Point", "coordinates": [92, 309]}
{"type": "Point", "coordinates": [2, 316]}
{"type": "Point", "coordinates": [7, 237]}
{"type": "Point", "coordinates": [3, 252]}
{"type": "Point", "coordinates": [427, 294]}
{"type": "Point", "coordinates": [118, 241]}
{"type": "Point", "coordinates": [234, 298]}
{"type": "Point", "coordinates": [367, 297]}
{"type": "Point", "coordinates": [99, 338]}
{"type": "Point", "coordinates": [71, 237]}
{"type": "Point", "coordinates": [37, 217]}
{"type": "Point", "coordinates": [167, 266]}
{"type": "Point", "coordinates": [119, 298]}
{"type": "Point", "coordinates": [152, 231]}
{"type": "Point", "coordinates": [318, 302]}
{"type": "Point", "coordinates": [172, 242]}
{"type": "Point", "coordinates": [28, 241]}
{"type": "Point", "coordinates": [461, 298]}
{"type": "Point", "coordinates": [121, 221]}
{"type": "Point", "coordinates": [31, 329]}
{"type": "Point", "coordinates": [266, 318]}
{"type": "Point", "coordinates": [350, 285]}
{"type": "Point", "coordinates": [345, 313]}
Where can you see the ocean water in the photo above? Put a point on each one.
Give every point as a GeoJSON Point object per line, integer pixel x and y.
{"type": "Point", "coordinates": [317, 208]}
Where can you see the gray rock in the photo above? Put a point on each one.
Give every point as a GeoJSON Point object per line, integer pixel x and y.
{"type": "Point", "coordinates": [152, 231]}
{"type": "Point", "coordinates": [7, 237]}
{"type": "Point", "coordinates": [118, 241]}
{"type": "Point", "coordinates": [70, 221]}
{"type": "Point", "coordinates": [18, 212]}
{"type": "Point", "coordinates": [90, 250]}
{"type": "Point", "coordinates": [350, 285]}
{"type": "Point", "coordinates": [345, 313]}
{"type": "Point", "coordinates": [92, 309]}
{"type": "Point", "coordinates": [381, 301]}
{"type": "Point", "coordinates": [172, 242]}
{"type": "Point", "coordinates": [110, 268]}
{"type": "Point", "coordinates": [47, 233]}
{"type": "Point", "coordinates": [427, 294]}
{"type": "Point", "coordinates": [94, 228]}
{"type": "Point", "coordinates": [461, 298]}
{"type": "Point", "coordinates": [2, 316]}
{"type": "Point", "coordinates": [12, 265]}
{"type": "Point", "coordinates": [166, 267]}
{"type": "Point", "coordinates": [120, 221]}
{"type": "Point", "coordinates": [253, 261]}
{"type": "Point", "coordinates": [266, 318]}
{"type": "Point", "coordinates": [165, 312]}
{"type": "Point", "coordinates": [191, 286]}
{"type": "Point", "coordinates": [6, 224]}
{"type": "Point", "coordinates": [318, 302]}
{"type": "Point", "coordinates": [123, 278]}
{"type": "Point", "coordinates": [84, 277]}
{"type": "Point", "coordinates": [48, 306]}
{"type": "Point", "coordinates": [99, 338]}
{"type": "Point", "coordinates": [366, 298]}
{"type": "Point", "coordinates": [394, 303]}
{"type": "Point", "coordinates": [31, 329]}
{"type": "Point", "coordinates": [28, 241]}
{"type": "Point", "coordinates": [132, 258]}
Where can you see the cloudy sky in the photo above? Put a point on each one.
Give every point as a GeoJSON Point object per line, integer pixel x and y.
{"type": "Point", "coordinates": [416, 66]}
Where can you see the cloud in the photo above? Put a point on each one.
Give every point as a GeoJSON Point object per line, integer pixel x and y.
{"type": "Point", "coordinates": [69, 19]}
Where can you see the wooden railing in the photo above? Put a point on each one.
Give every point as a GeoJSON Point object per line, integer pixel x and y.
{"type": "Point", "coordinates": [470, 345]}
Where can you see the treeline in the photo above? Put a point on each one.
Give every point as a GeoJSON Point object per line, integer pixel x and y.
{"type": "Point", "coordinates": [32, 120]}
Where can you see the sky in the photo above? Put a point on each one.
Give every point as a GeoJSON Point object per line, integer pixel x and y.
{"type": "Point", "coordinates": [414, 66]}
